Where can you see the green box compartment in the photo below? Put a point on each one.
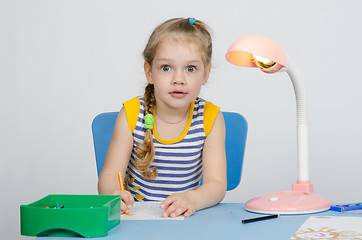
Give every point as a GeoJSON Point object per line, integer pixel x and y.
{"type": "Point", "coordinates": [79, 216]}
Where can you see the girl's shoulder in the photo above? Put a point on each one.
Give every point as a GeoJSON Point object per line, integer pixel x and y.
{"type": "Point", "coordinates": [210, 113]}
{"type": "Point", "coordinates": [132, 108]}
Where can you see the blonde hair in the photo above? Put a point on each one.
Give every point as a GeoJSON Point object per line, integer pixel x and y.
{"type": "Point", "coordinates": [198, 32]}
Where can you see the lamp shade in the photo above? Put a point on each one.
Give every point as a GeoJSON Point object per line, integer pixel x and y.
{"type": "Point", "coordinates": [241, 51]}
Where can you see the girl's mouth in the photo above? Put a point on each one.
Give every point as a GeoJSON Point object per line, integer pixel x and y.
{"type": "Point", "coordinates": [178, 94]}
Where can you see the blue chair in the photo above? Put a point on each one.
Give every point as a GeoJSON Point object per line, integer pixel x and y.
{"type": "Point", "coordinates": [236, 131]}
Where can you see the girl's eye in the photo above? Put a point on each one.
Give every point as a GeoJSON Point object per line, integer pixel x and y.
{"type": "Point", "coordinates": [191, 69]}
{"type": "Point", "coordinates": [165, 68]}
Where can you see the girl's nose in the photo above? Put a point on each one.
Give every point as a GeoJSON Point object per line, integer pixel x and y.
{"type": "Point", "coordinates": [178, 79]}
{"type": "Point", "coordinates": [178, 82]}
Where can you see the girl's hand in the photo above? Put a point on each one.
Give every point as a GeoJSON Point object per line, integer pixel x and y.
{"type": "Point", "coordinates": [177, 204]}
{"type": "Point", "coordinates": [126, 200]}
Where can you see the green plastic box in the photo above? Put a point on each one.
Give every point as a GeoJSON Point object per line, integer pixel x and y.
{"type": "Point", "coordinates": [71, 216]}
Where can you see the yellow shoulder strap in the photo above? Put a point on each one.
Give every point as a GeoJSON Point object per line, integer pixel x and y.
{"type": "Point", "coordinates": [210, 113]}
{"type": "Point", "coordinates": [132, 108]}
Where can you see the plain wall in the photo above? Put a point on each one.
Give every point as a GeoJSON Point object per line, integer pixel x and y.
{"type": "Point", "coordinates": [63, 62]}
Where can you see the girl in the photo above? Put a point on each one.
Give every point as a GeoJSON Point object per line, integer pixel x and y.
{"type": "Point", "coordinates": [166, 140]}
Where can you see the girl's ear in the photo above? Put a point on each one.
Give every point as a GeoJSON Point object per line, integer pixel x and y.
{"type": "Point", "coordinates": [206, 74]}
{"type": "Point", "coordinates": [148, 72]}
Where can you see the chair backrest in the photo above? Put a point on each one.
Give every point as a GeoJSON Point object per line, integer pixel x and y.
{"type": "Point", "coordinates": [236, 132]}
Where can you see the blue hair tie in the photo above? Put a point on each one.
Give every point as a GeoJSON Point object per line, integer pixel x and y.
{"type": "Point", "coordinates": [192, 21]}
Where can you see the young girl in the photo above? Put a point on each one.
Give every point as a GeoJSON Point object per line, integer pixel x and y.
{"type": "Point", "coordinates": [166, 140]}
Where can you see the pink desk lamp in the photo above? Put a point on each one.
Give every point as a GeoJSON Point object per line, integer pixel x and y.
{"type": "Point", "coordinates": [264, 53]}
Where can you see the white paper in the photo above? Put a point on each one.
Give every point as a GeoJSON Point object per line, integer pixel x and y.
{"type": "Point", "coordinates": [147, 211]}
{"type": "Point", "coordinates": [328, 228]}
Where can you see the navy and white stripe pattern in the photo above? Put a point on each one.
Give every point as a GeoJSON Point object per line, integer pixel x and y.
{"type": "Point", "coordinates": [179, 165]}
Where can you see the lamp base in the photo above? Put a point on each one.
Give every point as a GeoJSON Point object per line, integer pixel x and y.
{"type": "Point", "coordinates": [288, 202]}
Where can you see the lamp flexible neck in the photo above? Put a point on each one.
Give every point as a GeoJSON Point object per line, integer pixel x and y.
{"type": "Point", "coordinates": [300, 93]}
{"type": "Point", "coordinates": [302, 120]}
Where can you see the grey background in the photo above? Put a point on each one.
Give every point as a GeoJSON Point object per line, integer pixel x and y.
{"type": "Point", "coordinates": [63, 62]}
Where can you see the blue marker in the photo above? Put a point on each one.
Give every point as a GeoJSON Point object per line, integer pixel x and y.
{"type": "Point", "coordinates": [346, 207]}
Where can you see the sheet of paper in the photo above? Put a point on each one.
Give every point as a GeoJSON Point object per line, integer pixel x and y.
{"type": "Point", "coordinates": [147, 211]}
{"type": "Point", "coordinates": [336, 228]}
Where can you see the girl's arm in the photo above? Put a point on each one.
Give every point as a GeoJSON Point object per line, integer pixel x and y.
{"type": "Point", "coordinates": [117, 159]}
{"type": "Point", "coordinates": [213, 188]}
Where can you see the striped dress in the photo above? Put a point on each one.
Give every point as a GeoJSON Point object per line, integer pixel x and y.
{"type": "Point", "coordinates": [178, 161]}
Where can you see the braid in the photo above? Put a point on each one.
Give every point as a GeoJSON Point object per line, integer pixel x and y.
{"type": "Point", "coordinates": [149, 99]}
{"type": "Point", "coordinates": [146, 152]}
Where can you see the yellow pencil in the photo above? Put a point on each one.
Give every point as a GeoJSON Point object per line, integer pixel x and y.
{"type": "Point", "coordinates": [120, 179]}
{"type": "Point", "coordinates": [121, 186]}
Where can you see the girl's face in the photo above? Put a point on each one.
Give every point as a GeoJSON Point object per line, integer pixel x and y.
{"type": "Point", "coordinates": [177, 72]}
